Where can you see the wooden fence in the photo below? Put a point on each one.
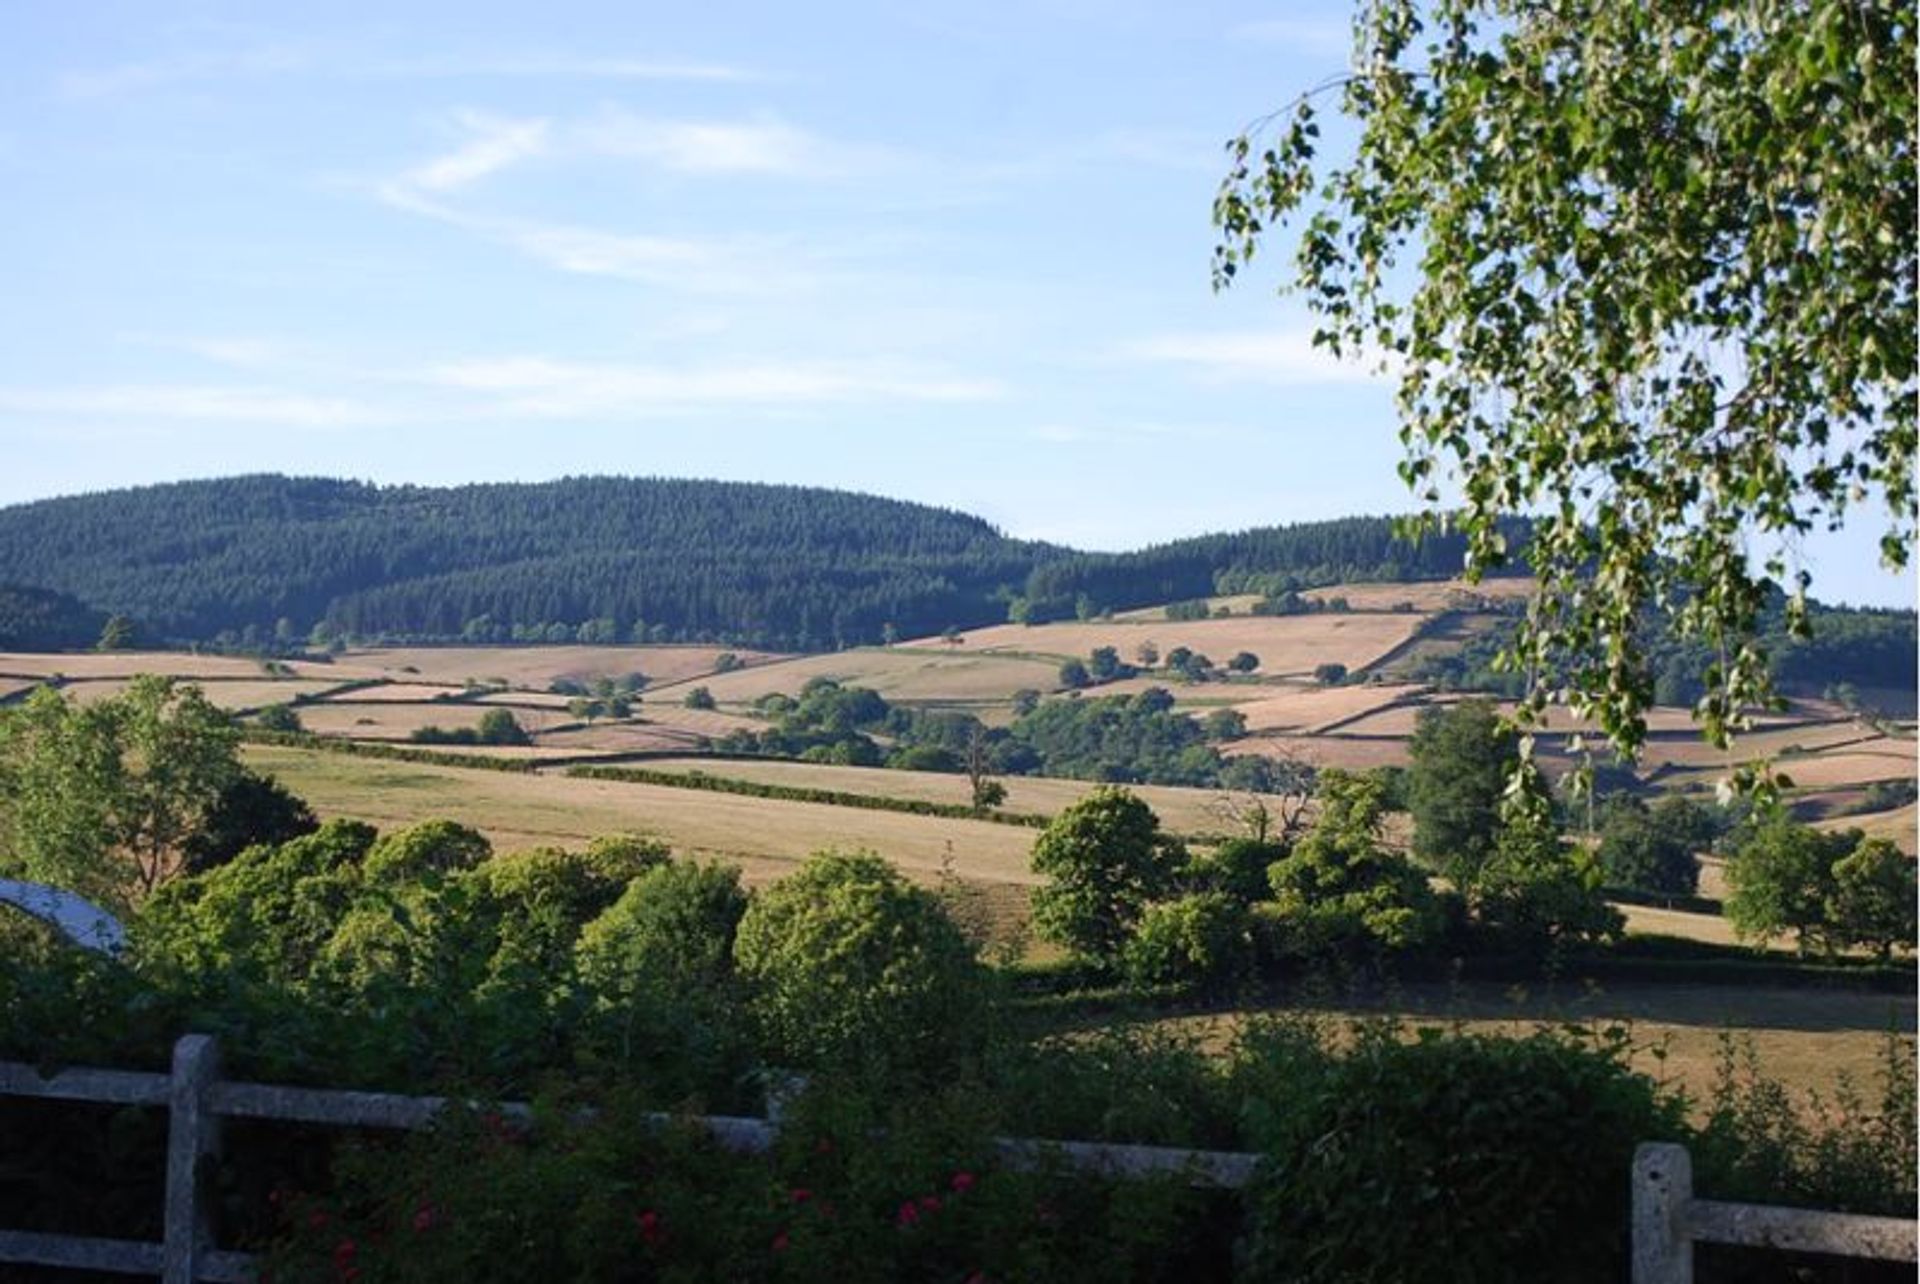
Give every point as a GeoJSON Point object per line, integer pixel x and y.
{"type": "Point", "coordinates": [1667, 1219]}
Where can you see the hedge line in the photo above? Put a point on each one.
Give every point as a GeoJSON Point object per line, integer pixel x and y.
{"type": "Point", "coordinates": [378, 749]}
{"type": "Point", "coordinates": [800, 793]}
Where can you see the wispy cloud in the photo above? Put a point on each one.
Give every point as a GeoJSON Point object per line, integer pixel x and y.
{"type": "Point", "coordinates": [543, 388]}
{"type": "Point", "coordinates": [206, 404]}
{"type": "Point", "coordinates": [763, 145]}
{"type": "Point", "coordinates": [1259, 356]}
{"type": "Point", "coordinates": [494, 144]}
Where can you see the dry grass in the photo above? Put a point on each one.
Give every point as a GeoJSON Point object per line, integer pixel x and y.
{"type": "Point", "coordinates": [125, 664]}
{"type": "Point", "coordinates": [1899, 824]}
{"type": "Point", "coordinates": [1290, 645]}
{"type": "Point", "coordinates": [1426, 596]}
{"type": "Point", "coordinates": [1346, 753]}
{"type": "Point", "coordinates": [1233, 604]}
{"type": "Point", "coordinates": [1856, 765]}
{"type": "Point", "coordinates": [364, 720]}
{"type": "Point", "coordinates": [1180, 810]}
{"type": "Point", "coordinates": [951, 677]}
{"type": "Point", "coordinates": [405, 693]}
{"type": "Point", "coordinates": [537, 667]}
{"type": "Point", "coordinates": [1312, 709]}
{"type": "Point", "coordinates": [763, 836]}
{"type": "Point", "coordinates": [222, 693]}
{"type": "Point", "coordinates": [1809, 1040]}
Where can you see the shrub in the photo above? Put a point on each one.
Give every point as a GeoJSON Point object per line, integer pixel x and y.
{"type": "Point", "coordinates": [278, 717]}
{"type": "Point", "coordinates": [699, 698]}
{"type": "Point", "coordinates": [849, 965]}
{"type": "Point", "coordinates": [1202, 941]}
{"type": "Point", "coordinates": [1341, 889]}
{"type": "Point", "coordinates": [432, 847]}
{"type": "Point", "coordinates": [1105, 859]}
{"type": "Point", "coordinates": [673, 928]}
{"type": "Point", "coordinates": [1450, 1157]}
{"type": "Point", "coordinates": [1238, 867]}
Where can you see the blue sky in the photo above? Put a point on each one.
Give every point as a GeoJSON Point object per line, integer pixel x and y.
{"type": "Point", "coordinates": [949, 252]}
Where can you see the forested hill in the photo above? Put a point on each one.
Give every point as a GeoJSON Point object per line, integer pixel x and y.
{"type": "Point", "coordinates": [595, 558]}
{"type": "Point", "coordinates": [255, 560]}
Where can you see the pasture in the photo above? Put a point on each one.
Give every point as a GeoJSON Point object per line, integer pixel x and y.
{"type": "Point", "coordinates": [951, 676]}
{"type": "Point", "coordinates": [539, 667]}
{"type": "Point", "coordinates": [1290, 645]}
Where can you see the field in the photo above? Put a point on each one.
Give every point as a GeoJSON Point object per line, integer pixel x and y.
{"type": "Point", "coordinates": [949, 677]}
{"type": "Point", "coordinates": [763, 836]}
{"type": "Point", "coordinates": [1320, 709]}
{"type": "Point", "coordinates": [538, 667]}
{"type": "Point", "coordinates": [238, 694]}
{"type": "Point", "coordinates": [1290, 645]}
{"type": "Point", "coordinates": [1810, 1040]}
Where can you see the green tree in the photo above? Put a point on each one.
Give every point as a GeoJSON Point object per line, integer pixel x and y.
{"type": "Point", "coordinates": [699, 698]}
{"type": "Point", "coordinates": [500, 727]}
{"type": "Point", "coordinates": [1105, 860]}
{"type": "Point", "coordinates": [1535, 891]}
{"type": "Point", "coordinates": [116, 634]}
{"type": "Point", "coordinates": [1074, 675]}
{"type": "Point", "coordinates": [1461, 760]}
{"type": "Point", "coordinates": [1872, 901]}
{"type": "Point", "coordinates": [1147, 654]}
{"type": "Point", "coordinates": [1781, 878]}
{"type": "Point", "coordinates": [251, 810]}
{"type": "Point", "coordinates": [1103, 664]}
{"type": "Point", "coordinates": [279, 717]}
{"type": "Point", "coordinates": [1225, 724]}
{"type": "Point", "coordinates": [851, 966]}
{"type": "Point", "coordinates": [1341, 888]}
{"type": "Point", "coordinates": [1200, 941]}
{"type": "Point", "coordinates": [1643, 271]}
{"type": "Point", "coordinates": [1243, 662]}
{"type": "Point", "coordinates": [1330, 674]}
{"type": "Point", "coordinates": [103, 799]}
{"type": "Point", "coordinates": [1653, 849]}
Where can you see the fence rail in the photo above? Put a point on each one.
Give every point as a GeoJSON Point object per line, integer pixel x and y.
{"type": "Point", "coordinates": [1668, 1221]}
{"type": "Point", "coordinates": [197, 1099]}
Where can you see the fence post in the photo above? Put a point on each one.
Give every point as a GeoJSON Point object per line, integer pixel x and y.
{"type": "Point", "coordinates": [1662, 1189]}
{"type": "Point", "coordinates": [193, 1137]}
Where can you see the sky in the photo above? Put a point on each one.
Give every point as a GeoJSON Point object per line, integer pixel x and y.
{"type": "Point", "coordinates": [949, 252]}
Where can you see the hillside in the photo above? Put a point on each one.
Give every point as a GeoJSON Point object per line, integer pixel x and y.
{"type": "Point", "coordinates": [258, 559]}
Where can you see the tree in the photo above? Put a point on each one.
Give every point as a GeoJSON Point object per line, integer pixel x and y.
{"type": "Point", "coordinates": [849, 963]}
{"type": "Point", "coordinates": [699, 698]}
{"type": "Point", "coordinates": [1872, 901]}
{"type": "Point", "coordinates": [1074, 675]}
{"type": "Point", "coordinates": [1533, 891]}
{"type": "Point", "coordinates": [1330, 674]}
{"type": "Point", "coordinates": [103, 799]}
{"type": "Point", "coordinates": [1105, 860]}
{"type": "Point", "coordinates": [1225, 724]}
{"type": "Point", "coordinates": [1341, 888]}
{"type": "Point", "coordinates": [1201, 941]}
{"type": "Point", "coordinates": [1653, 849]}
{"type": "Point", "coordinates": [1243, 662]}
{"type": "Point", "coordinates": [279, 717]}
{"type": "Point", "coordinates": [251, 810]}
{"type": "Point", "coordinates": [1147, 654]}
{"type": "Point", "coordinates": [1462, 758]}
{"type": "Point", "coordinates": [1645, 272]}
{"type": "Point", "coordinates": [116, 634]}
{"type": "Point", "coordinates": [982, 788]}
{"type": "Point", "coordinates": [500, 727]}
{"type": "Point", "coordinates": [1781, 877]}
{"type": "Point", "coordinates": [673, 927]}
{"type": "Point", "coordinates": [1103, 664]}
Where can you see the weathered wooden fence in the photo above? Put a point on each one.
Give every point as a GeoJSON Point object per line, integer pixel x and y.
{"type": "Point", "coordinates": [1668, 1221]}
{"type": "Point", "coordinates": [197, 1099]}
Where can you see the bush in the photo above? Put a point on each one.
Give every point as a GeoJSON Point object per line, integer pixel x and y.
{"type": "Point", "coordinates": [849, 965]}
{"type": "Point", "coordinates": [1450, 1157]}
{"type": "Point", "coordinates": [1202, 941]}
{"type": "Point", "coordinates": [672, 929]}
{"type": "Point", "coordinates": [1105, 860]}
{"type": "Point", "coordinates": [1341, 890]}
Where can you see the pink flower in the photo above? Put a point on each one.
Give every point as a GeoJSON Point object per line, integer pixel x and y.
{"type": "Point", "coordinates": [651, 1228]}
{"type": "Point", "coordinates": [962, 1182]}
{"type": "Point", "coordinates": [345, 1249]}
{"type": "Point", "coordinates": [800, 1194]}
{"type": "Point", "coordinates": [423, 1219]}
{"type": "Point", "coordinates": [931, 1203]}
{"type": "Point", "coordinates": [908, 1217]}
{"type": "Point", "coordinates": [780, 1242]}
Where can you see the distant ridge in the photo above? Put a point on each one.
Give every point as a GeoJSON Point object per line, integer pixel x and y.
{"type": "Point", "coordinates": [255, 559]}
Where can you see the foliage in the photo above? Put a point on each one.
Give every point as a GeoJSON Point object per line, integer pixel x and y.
{"type": "Point", "coordinates": [1074, 675]}
{"type": "Point", "coordinates": [1652, 849]}
{"type": "Point", "coordinates": [103, 799]}
{"type": "Point", "coordinates": [1138, 739]}
{"type": "Point", "coordinates": [1341, 888]}
{"type": "Point", "coordinates": [251, 809]}
{"type": "Point", "coordinates": [850, 965]}
{"type": "Point", "coordinates": [1462, 758]}
{"type": "Point", "coordinates": [1200, 941]}
{"type": "Point", "coordinates": [1238, 868]}
{"type": "Point", "coordinates": [36, 619]}
{"type": "Point", "coordinates": [1780, 877]}
{"type": "Point", "coordinates": [1646, 271]}
{"type": "Point", "coordinates": [1104, 859]}
{"type": "Point", "coordinates": [1446, 1157]}
{"type": "Point", "coordinates": [1536, 892]}
{"type": "Point", "coordinates": [671, 930]}
{"type": "Point", "coordinates": [1873, 897]}
{"type": "Point", "coordinates": [1330, 674]}
{"type": "Point", "coordinates": [699, 698]}
{"type": "Point", "coordinates": [1243, 662]}
{"type": "Point", "coordinates": [278, 717]}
